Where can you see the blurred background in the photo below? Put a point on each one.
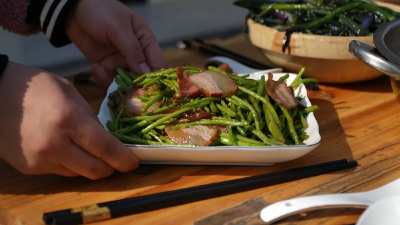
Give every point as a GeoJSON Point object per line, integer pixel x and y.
{"type": "Point", "coordinates": [170, 20]}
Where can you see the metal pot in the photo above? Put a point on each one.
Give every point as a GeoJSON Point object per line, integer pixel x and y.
{"type": "Point", "coordinates": [386, 56]}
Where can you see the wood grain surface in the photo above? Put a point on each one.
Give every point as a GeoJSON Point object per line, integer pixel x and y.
{"type": "Point", "coordinates": [357, 122]}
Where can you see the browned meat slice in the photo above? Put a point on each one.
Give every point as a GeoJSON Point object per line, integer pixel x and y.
{"type": "Point", "coordinates": [133, 104]}
{"type": "Point", "coordinates": [213, 84]}
{"type": "Point", "coordinates": [186, 88]}
{"type": "Point", "coordinates": [199, 135]}
{"type": "Point", "coordinates": [114, 96]}
{"type": "Point", "coordinates": [281, 93]}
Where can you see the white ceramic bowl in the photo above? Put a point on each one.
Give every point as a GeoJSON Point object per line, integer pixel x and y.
{"type": "Point", "coordinates": [385, 211]}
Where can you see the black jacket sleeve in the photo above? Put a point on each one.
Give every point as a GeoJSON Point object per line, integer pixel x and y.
{"type": "Point", "coordinates": [51, 15]}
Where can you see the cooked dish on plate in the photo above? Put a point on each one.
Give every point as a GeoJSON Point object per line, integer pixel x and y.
{"type": "Point", "coordinates": [220, 154]}
{"type": "Point", "coordinates": [190, 106]}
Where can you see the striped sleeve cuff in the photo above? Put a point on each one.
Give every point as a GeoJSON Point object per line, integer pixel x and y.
{"type": "Point", "coordinates": [51, 14]}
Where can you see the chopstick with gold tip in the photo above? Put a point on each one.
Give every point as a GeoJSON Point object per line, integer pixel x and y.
{"type": "Point", "coordinates": [232, 53]}
{"type": "Point", "coordinates": [124, 207]}
{"type": "Point", "coordinates": [84, 78]}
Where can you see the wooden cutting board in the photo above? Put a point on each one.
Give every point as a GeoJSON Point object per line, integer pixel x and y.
{"type": "Point", "coordinates": [357, 122]}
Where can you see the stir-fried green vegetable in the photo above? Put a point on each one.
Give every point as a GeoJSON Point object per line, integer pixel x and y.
{"type": "Point", "coordinates": [322, 17]}
{"type": "Point", "coordinates": [251, 117]}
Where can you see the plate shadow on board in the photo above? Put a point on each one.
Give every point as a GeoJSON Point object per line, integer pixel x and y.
{"type": "Point", "coordinates": [333, 147]}
{"type": "Point", "coordinates": [373, 85]}
{"type": "Point", "coordinates": [333, 144]}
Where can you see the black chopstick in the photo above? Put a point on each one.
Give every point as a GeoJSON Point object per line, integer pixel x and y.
{"type": "Point", "coordinates": [221, 51]}
{"type": "Point", "coordinates": [47, 217]}
{"type": "Point", "coordinates": [84, 78]}
{"type": "Point", "coordinates": [232, 53]}
{"type": "Point", "coordinates": [145, 203]}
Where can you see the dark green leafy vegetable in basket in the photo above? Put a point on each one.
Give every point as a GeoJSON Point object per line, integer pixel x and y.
{"type": "Point", "coordinates": [196, 107]}
{"type": "Point", "coordinates": [321, 17]}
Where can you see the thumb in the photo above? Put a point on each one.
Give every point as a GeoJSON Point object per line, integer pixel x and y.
{"type": "Point", "coordinates": [91, 136]}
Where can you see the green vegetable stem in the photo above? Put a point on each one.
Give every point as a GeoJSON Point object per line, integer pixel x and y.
{"type": "Point", "coordinates": [250, 115]}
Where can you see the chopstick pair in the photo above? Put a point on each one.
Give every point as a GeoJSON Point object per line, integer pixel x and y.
{"type": "Point", "coordinates": [124, 207]}
{"type": "Point", "coordinates": [214, 49]}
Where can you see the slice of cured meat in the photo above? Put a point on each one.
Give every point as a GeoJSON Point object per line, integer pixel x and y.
{"type": "Point", "coordinates": [213, 84]}
{"type": "Point", "coordinates": [187, 89]}
{"type": "Point", "coordinates": [281, 93]}
{"type": "Point", "coordinates": [199, 135]}
{"type": "Point", "coordinates": [133, 104]}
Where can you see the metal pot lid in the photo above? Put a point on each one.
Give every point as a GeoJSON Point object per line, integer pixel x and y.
{"type": "Point", "coordinates": [387, 40]}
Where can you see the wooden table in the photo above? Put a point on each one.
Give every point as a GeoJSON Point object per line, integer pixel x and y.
{"type": "Point", "coordinates": [357, 122]}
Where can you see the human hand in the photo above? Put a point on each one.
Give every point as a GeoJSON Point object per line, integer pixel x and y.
{"type": "Point", "coordinates": [110, 35]}
{"type": "Point", "coordinates": [47, 127]}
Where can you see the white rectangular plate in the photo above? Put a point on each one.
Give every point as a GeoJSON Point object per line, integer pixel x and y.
{"type": "Point", "coordinates": [224, 155]}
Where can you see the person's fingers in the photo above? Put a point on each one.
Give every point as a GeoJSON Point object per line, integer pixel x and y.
{"type": "Point", "coordinates": [103, 78]}
{"type": "Point", "coordinates": [91, 136]}
{"type": "Point", "coordinates": [78, 161]}
{"type": "Point", "coordinates": [149, 44]}
{"type": "Point", "coordinates": [129, 47]}
{"type": "Point", "coordinates": [94, 116]}
{"type": "Point", "coordinates": [113, 61]}
{"type": "Point", "coordinates": [44, 168]}
{"type": "Point", "coordinates": [105, 71]}
{"type": "Point", "coordinates": [61, 170]}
